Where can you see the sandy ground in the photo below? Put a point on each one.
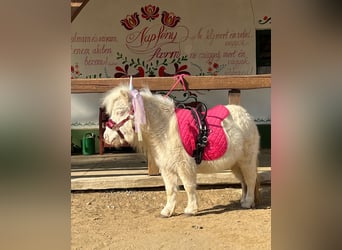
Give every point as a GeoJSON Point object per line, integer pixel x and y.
{"type": "Point", "coordinates": [130, 220]}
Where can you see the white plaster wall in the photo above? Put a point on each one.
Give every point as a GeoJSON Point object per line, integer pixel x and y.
{"type": "Point", "coordinates": [84, 107]}
{"type": "Point", "coordinates": [94, 20]}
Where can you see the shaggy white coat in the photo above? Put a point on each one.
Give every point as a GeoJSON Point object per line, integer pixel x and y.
{"type": "Point", "coordinates": [161, 139]}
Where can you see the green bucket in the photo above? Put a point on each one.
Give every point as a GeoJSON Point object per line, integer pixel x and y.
{"type": "Point", "coordinates": [88, 144]}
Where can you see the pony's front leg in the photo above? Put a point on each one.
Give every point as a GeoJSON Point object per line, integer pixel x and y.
{"type": "Point", "coordinates": [170, 181]}
{"type": "Point", "coordinates": [188, 176]}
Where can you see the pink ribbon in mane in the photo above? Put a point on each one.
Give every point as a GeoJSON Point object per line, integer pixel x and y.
{"type": "Point", "coordinates": [139, 111]}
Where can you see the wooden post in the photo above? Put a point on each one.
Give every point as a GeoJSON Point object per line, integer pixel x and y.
{"type": "Point", "coordinates": [234, 96]}
{"type": "Point", "coordinates": [151, 165]}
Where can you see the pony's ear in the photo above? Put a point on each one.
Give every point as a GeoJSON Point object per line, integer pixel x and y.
{"type": "Point", "coordinates": [124, 93]}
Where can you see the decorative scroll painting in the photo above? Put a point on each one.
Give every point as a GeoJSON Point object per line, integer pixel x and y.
{"type": "Point", "coordinates": [262, 14]}
{"type": "Point", "coordinates": [163, 38]}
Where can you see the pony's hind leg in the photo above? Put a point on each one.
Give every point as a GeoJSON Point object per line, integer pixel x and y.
{"type": "Point", "coordinates": [170, 181]}
{"type": "Point", "coordinates": [238, 174]}
{"type": "Point", "coordinates": [249, 173]}
{"type": "Point", "coordinates": [187, 174]}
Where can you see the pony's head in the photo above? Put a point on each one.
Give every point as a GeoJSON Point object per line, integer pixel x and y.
{"type": "Point", "coordinates": [119, 128]}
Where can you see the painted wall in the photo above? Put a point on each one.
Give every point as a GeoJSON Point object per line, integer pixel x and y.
{"type": "Point", "coordinates": [157, 38]}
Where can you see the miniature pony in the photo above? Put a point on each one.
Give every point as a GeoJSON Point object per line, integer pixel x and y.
{"type": "Point", "coordinates": [154, 118]}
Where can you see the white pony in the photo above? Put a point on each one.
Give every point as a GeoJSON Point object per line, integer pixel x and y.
{"type": "Point", "coordinates": [159, 135]}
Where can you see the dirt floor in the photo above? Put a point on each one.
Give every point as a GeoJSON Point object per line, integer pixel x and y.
{"type": "Point", "coordinates": [130, 220]}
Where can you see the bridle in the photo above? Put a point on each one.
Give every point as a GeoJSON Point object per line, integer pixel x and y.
{"type": "Point", "coordinates": [116, 126]}
{"type": "Point", "coordinates": [137, 113]}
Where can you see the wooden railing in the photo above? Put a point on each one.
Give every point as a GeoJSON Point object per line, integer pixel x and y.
{"type": "Point", "coordinates": [100, 85]}
{"type": "Point", "coordinates": [234, 84]}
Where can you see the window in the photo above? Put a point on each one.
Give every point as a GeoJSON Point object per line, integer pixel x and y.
{"type": "Point", "coordinates": [263, 51]}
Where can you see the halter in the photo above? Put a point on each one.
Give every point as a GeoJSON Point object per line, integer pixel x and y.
{"type": "Point", "coordinates": [116, 126]}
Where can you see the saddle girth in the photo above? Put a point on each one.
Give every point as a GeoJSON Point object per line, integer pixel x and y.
{"type": "Point", "coordinates": [199, 113]}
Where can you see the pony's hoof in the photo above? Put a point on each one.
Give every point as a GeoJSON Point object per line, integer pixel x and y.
{"type": "Point", "coordinates": [190, 212]}
{"type": "Point", "coordinates": [247, 204]}
{"type": "Point", "coordinates": [165, 213]}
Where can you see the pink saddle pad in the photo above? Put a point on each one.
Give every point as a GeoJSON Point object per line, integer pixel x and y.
{"type": "Point", "coordinates": [217, 139]}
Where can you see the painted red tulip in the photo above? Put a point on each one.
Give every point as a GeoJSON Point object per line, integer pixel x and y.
{"type": "Point", "coordinates": [131, 21]}
{"type": "Point", "coordinates": [150, 12]}
{"type": "Point", "coordinates": [169, 19]}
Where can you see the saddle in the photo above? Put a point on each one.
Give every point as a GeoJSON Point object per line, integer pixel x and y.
{"type": "Point", "coordinates": [201, 131]}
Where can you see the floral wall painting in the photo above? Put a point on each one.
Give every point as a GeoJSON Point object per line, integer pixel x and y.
{"type": "Point", "coordinates": [149, 42]}
{"type": "Point", "coordinates": [75, 72]}
{"type": "Point", "coordinates": [163, 38]}
{"type": "Point", "coordinates": [265, 20]}
{"type": "Point", "coordinates": [150, 12]}
{"type": "Point", "coordinates": [156, 68]}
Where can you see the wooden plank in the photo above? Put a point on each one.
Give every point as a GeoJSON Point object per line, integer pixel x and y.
{"type": "Point", "coordinates": [101, 85]}
{"type": "Point", "coordinates": [99, 183]}
{"type": "Point", "coordinates": [145, 181]}
{"type": "Point", "coordinates": [100, 173]}
{"type": "Point", "coordinates": [117, 159]}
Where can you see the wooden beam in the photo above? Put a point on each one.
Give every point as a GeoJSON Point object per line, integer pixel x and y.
{"type": "Point", "coordinates": [126, 178]}
{"type": "Point", "coordinates": [101, 85]}
{"type": "Point", "coordinates": [75, 4]}
{"type": "Point", "coordinates": [77, 10]}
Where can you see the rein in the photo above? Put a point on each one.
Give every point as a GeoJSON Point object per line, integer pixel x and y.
{"type": "Point", "coordinates": [179, 79]}
{"type": "Point", "coordinates": [200, 114]}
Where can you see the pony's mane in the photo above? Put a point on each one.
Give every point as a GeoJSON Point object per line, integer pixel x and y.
{"type": "Point", "coordinates": [123, 90]}
{"type": "Point", "coordinates": [113, 94]}
{"type": "Point", "coordinates": [160, 99]}
{"type": "Point", "coordinates": [159, 110]}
